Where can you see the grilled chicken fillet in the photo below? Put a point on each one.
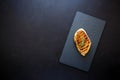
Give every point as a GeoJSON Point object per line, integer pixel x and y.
{"type": "Point", "coordinates": [82, 41]}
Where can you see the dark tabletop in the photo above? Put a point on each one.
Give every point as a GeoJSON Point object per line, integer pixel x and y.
{"type": "Point", "coordinates": [33, 34]}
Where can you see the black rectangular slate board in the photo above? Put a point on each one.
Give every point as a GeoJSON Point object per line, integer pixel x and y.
{"type": "Point", "coordinates": [94, 27]}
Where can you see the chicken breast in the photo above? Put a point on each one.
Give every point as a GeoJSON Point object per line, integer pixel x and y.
{"type": "Point", "coordinates": [82, 41]}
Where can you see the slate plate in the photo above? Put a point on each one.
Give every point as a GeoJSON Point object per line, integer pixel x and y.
{"type": "Point", "coordinates": [94, 27]}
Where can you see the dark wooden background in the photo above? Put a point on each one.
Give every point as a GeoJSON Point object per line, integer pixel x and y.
{"type": "Point", "coordinates": [33, 33]}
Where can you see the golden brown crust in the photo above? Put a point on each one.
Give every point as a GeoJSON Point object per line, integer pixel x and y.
{"type": "Point", "coordinates": [82, 41]}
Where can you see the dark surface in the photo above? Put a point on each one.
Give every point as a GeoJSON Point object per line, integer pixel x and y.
{"type": "Point", "coordinates": [94, 28]}
{"type": "Point", "coordinates": [33, 33]}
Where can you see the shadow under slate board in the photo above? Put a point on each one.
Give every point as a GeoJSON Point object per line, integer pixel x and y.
{"type": "Point", "coordinates": [94, 28]}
